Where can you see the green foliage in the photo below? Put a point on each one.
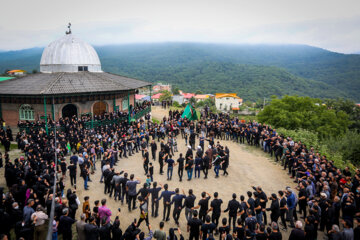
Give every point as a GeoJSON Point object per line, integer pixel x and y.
{"type": "Point", "coordinates": [192, 101]}
{"type": "Point", "coordinates": [347, 106]}
{"type": "Point", "coordinates": [176, 104]}
{"type": "Point", "coordinates": [293, 112]}
{"type": "Point", "coordinates": [176, 91]}
{"type": "Point", "coordinates": [34, 71]}
{"type": "Point", "coordinates": [166, 96]}
{"type": "Point", "coordinates": [198, 92]}
{"type": "Point", "coordinates": [252, 71]}
{"type": "Point", "coordinates": [309, 138]}
{"type": "Point", "coordinates": [343, 150]}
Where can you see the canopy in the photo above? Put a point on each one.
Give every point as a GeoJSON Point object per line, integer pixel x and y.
{"type": "Point", "coordinates": [190, 113]}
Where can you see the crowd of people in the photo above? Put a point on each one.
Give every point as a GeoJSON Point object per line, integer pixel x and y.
{"type": "Point", "coordinates": [328, 198]}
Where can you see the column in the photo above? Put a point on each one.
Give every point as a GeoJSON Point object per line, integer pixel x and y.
{"type": "Point", "coordinates": [45, 114]}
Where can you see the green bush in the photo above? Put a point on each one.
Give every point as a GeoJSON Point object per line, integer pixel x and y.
{"type": "Point", "coordinates": [343, 150]}
{"type": "Point", "coordinates": [176, 104]}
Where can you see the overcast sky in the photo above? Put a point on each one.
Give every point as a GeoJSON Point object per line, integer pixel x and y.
{"type": "Point", "coordinates": [329, 24]}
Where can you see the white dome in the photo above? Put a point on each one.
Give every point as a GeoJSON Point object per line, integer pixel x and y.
{"type": "Point", "coordinates": [69, 54]}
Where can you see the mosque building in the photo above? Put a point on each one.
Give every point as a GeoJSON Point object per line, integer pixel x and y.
{"type": "Point", "coordinates": [70, 82]}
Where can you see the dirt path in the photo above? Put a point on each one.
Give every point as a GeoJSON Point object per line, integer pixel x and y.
{"type": "Point", "coordinates": [248, 167]}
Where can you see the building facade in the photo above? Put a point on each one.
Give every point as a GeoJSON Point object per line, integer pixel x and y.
{"type": "Point", "coordinates": [70, 83]}
{"type": "Point", "coordinates": [227, 101]}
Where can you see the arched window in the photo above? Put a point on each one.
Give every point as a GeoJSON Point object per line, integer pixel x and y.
{"type": "Point", "coordinates": [26, 112]}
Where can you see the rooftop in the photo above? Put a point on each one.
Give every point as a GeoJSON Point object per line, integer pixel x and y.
{"type": "Point", "coordinates": [68, 83]}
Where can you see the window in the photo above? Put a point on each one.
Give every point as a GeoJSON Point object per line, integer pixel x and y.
{"type": "Point", "coordinates": [26, 112]}
{"type": "Point", "coordinates": [82, 68]}
{"type": "Point", "coordinates": [124, 104]}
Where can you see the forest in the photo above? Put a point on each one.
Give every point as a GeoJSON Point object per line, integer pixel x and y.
{"type": "Point", "coordinates": [252, 71]}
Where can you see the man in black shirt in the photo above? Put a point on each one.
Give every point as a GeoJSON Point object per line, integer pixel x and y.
{"type": "Point", "coordinates": [302, 199]}
{"type": "Point", "coordinates": [177, 200]}
{"type": "Point", "coordinates": [203, 205]}
{"type": "Point", "coordinates": [283, 208]}
{"type": "Point", "coordinates": [72, 171]}
{"type": "Point", "coordinates": [153, 149]}
{"type": "Point", "coordinates": [215, 207]}
{"type": "Point", "coordinates": [123, 182]}
{"type": "Point", "coordinates": [180, 161]}
{"type": "Point", "coordinates": [234, 207]}
{"type": "Point", "coordinates": [154, 199]}
{"type": "Point", "coordinates": [161, 160]}
{"type": "Point", "coordinates": [146, 161]}
{"type": "Point", "coordinates": [274, 208]}
{"type": "Point", "coordinates": [207, 228]}
{"type": "Point", "coordinates": [193, 226]}
{"type": "Point", "coordinates": [166, 194]}
{"type": "Point", "coordinates": [189, 204]}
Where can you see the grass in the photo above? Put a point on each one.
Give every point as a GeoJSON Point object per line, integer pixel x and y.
{"type": "Point", "coordinates": [13, 146]}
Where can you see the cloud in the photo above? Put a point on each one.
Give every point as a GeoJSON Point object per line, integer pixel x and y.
{"type": "Point", "coordinates": [329, 24]}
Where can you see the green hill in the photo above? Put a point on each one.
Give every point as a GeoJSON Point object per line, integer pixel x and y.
{"type": "Point", "coordinates": [253, 71]}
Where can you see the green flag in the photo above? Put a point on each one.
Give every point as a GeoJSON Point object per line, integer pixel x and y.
{"type": "Point", "coordinates": [190, 113]}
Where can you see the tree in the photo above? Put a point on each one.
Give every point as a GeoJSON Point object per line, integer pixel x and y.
{"type": "Point", "coordinates": [166, 96]}
{"type": "Point", "coordinates": [209, 102]}
{"type": "Point", "coordinates": [192, 100]}
{"type": "Point", "coordinates": [34, 71]}
{"type": "Point", "coordinates": [176, 91]}
{"type": "Point", "coordinates": [198, 92]}
{"type": "Point", "coordinates": [293, 112]}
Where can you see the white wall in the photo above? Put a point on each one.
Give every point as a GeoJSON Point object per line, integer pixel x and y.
{"type": "Point", "coordinates": [226, 103]}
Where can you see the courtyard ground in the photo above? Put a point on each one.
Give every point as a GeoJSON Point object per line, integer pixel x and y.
{"type": "Point", "coordinates": [249, 166]}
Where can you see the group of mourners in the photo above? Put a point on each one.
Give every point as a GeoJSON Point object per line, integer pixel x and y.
{"type": "Point", "coordinates": [328, 198]}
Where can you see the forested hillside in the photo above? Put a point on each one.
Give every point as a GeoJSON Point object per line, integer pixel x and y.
{"type": "Point", "coordinates": [253, 71]}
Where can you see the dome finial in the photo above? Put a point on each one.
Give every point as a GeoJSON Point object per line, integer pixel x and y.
{"type": "Point", "coordinates": [69, 27]}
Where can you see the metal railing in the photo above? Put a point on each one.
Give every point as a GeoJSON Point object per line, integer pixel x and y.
{"type": "Point", "coordinates": [92, 124]}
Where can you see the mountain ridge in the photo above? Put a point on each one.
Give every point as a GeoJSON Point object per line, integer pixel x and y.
{"type": "Point", "coordinates": [167, 61]}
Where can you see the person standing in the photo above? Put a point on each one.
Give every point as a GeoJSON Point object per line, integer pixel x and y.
{"type": "Point", "coordinates": [283, 209]}
{"type": "Point", "coordinates": [215, 207]}
{"type": "Point", "coordinates": [177, 201]}
{"type": "Point", "coordinates": [72, 172]}
{"type": "Point", "coordinates": [303, 199]}
{"type": "Point", "coordinates": [131, 190]}
{"type": "Point", "coordinates": [291, 204]}
{"type": "Point", "coordinates": [297, 233]}
{"type": "Point", "coordinates": [198, 165]}
{"type": "Point", "coordinates": [160, 234]}
{"type": "Point", "coordinates": [104, 211]}
{"type": "Point", "coordinates": [234, 207]}
{"type": "Point", "coordinates": [189, 204]}
{"type": "Point", "coordinates": [92, 230]}
{"type": "Point", "coordinates": [180, 162]}
{"type": "Point", "coordinates": [189, 167]}
{"type": "Point", "coordinates": [153, 147]}
{"type": "Point", "coordinates": [193, 226]}
{"type": "Point", "coordinates": [162, 156]}
{"type": "Point", "coordinates": [171, 163]}
{"type": "Point", "coordinates": [65, 223]}
{"type": "Point", "coordinates": [203, 205]}
{"type": "Point", "coordinates": [85, 175]}
{"type": "Point", "coordinates": [154, 199]}
{"type": "Point", "coordinates": [144, 216]}
{"type": "Point", "coordinates": [274, 208]}
{"type": "Point", "coordinates": [166, 194]}
{"type": "Point", "coordinates": [207, 228]}
{"type": "Point", "coordinates": [80, 227]}
{"type": "Point", "coordinates": [146, 161]}
{"type": "Point", "coordinates": [205, 165]}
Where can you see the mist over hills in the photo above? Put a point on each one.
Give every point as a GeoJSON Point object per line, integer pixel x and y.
{"type": "Point", "coordinates": [252, 71]}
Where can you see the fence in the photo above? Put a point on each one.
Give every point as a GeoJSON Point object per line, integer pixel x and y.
{"type": "Point", "coordinates": [93, 124]}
